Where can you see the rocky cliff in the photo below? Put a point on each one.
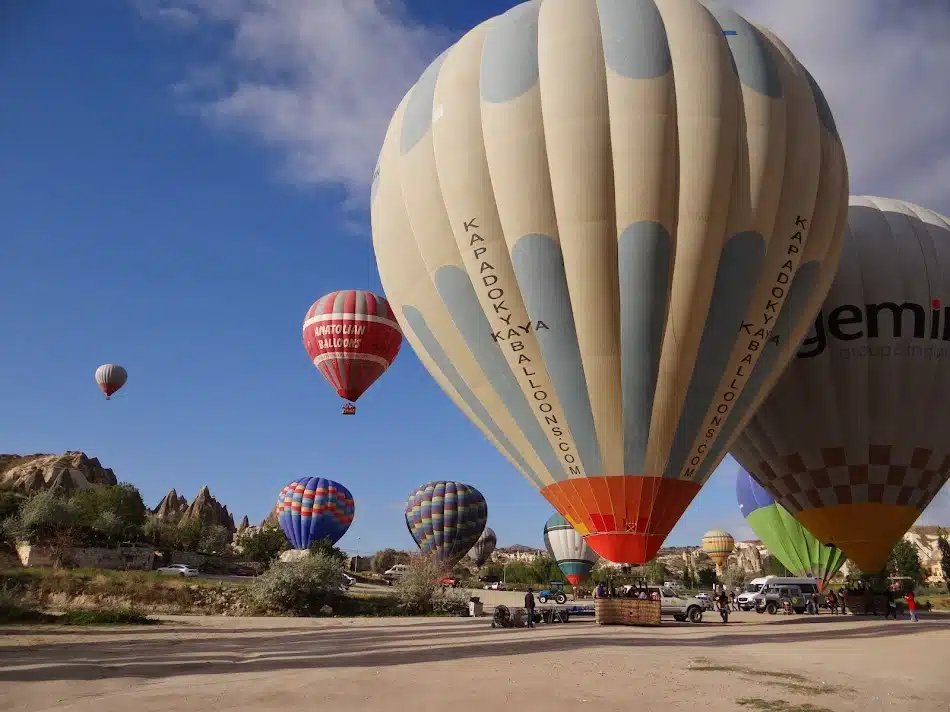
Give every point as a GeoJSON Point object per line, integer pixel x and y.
{"type": "Point", "coordinates": [171, 508]}
{"type": "Point", "coordinates": [69, 471]}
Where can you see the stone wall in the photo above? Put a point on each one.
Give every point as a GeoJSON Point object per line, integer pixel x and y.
{"type": "Point", "coordinates": [134, 558]}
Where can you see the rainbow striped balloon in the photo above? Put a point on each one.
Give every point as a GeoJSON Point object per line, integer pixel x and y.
{"type": "Point", "coordinates": [314, 508]}
{"type": "Point", "coordinates": [446, 519]}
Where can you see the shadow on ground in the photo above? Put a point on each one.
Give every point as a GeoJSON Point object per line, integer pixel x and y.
{"type": "Point", "coordinates": [286, 647]}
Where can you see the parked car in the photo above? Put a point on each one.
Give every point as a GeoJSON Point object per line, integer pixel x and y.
{"type": "Point", "coordinates": [348, 581]}
{"type": "Point", "coordinates": [177, 570]}
{"type": "Point", "coordinates": [245, 571]}
{"type": "Point", "coordinates": [495, 586]}
{"type": "Point", "coordinates": [679, 607]}
{"type": "Point", "coordinates": [395, 572]}
{"type": "Point", "coordinates": [705, 600]}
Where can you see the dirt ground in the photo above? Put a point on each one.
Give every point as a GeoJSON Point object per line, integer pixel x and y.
{"type": "Point", "coordinates": [755, 663]}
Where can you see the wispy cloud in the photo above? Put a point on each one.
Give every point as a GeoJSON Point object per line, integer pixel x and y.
{"type": "Point", "coordinates": [319, 80]}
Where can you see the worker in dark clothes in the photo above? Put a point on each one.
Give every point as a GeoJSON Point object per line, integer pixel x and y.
{"type": "Point", "coordinates": [529, 606]}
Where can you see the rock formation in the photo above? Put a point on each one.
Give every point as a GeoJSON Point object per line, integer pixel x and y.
{"type": "Point", "coordinates": [69, 471]}
{"type": "Point", "coordinates": [171, 508]}
{"type": "Point", "coordinates": [208, 510]}
{"type": "Point", "coordinates": [245, 523]}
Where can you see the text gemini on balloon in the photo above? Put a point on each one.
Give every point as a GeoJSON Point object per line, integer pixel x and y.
{"type": "Point", "coordinates": [757, 338]}
{"type": "Point", "coordinates": [510, 334]}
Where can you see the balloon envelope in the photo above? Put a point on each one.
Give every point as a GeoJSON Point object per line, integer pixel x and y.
{"type": "Point", "coordinates": [314, 508]}
{"type": "Point", "coordinates": [110, 377]}
{"type": "Point", "coordinates": [568, 549]}
{"type": "Point", "coordinates": [854, 440]}
{"type": "Point", "coordinates": [796, 548]}
{"type": "Point", "coordinates": [446, 519]}
{"type": "Point", "coordinates": [484, 547]}
{"type": "Point", "coordinates": [351, 337]}
{"type": "Point", "coordinates": [591, 219]}
{"type": "Point", "coordinates": [718, 545]}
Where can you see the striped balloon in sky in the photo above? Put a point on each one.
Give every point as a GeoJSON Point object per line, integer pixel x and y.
{"type": "Point", "coordinates": [484, 547]}
{"type": "Point", "coordinates": [314, 508]}
{"type": "Point", "coordinates": [352, 337]}
{"type": "Point", "coordinates": [593, 218]}
{"type": "Point", "coordinates": [796, 548]}
{"type": "Point", "coordinates": [568, 549]}
{"type": "Point", "coordinates": [718, 545]}
{"type": "Point", "coordinates": [110, 377]}
{"type": "Point", "coordinates": [446, 519]}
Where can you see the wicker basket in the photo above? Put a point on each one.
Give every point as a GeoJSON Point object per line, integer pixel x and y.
{"type": "Point", "coordinates": [626, 611]}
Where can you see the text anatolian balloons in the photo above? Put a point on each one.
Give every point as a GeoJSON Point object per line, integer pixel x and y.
{"type": "Point", "coordinates": [591, 218]}
{"type": "Point", "coordinates": [352, 337]}
{"type": "Point", "coordinates": [110, 377]}
{"type": "Point", "coordinates": [855, 438]}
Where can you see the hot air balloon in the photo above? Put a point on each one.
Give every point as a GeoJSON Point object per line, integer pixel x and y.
{"type": "Point", "coordinates": [352, 337]}
{"type": "Point", "coordinates": [590, 219]}
{"type": "Point", "coordinates": [787, 540]}
{"type": "Point", "coordinates": [314, 508]}
{"type": "Point", "coordinates": [718, 545]}
{"type": "Point", "coordinates": [568, 549]}
{"type": "Point", "coordinates": [854, 440]}
{"type": "Point", "coordinates": [110, 377]}
{"type": "Point", "coordinates": [446, 519]}
{"type": "Point", "coordinates": [483, 547]}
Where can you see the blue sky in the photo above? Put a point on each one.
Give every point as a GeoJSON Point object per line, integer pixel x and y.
{"type": "Point", "coordinates": [181, 179]}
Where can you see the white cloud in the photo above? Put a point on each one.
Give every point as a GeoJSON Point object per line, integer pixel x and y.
{"type": "Point", "coordinates": [318, 80]}
{"type": "Point", "coordinates": [883, 68]}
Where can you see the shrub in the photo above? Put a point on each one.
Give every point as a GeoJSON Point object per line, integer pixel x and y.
{"type": "Point", "coordinates": [419, 590]}
{"type": "Point", "coordinates": [299, 587]}
{"type": "Point", "coordinates": [262, 545]}
{"type": "Point", "coordinates": [106, 616]}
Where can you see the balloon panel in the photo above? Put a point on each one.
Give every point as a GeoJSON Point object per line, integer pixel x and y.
{"type": "Point", "coordinates": [314, 508]}
{"type": "Point", "coordinates": [718, 545]}
{"type": "Point", "coordinates": [352, 337]}
{"type": "Point", "coordinates": [594, 259]}
{"type": "Point", "coordinates": [446, 519]}
{"type": "Point", "coordinates": [568, 548]}
{"type": "Point", "coordinates": [484, 547]}
{"type": "Point", "coordinates": [110, 378]}
{"type": "Point", "coordinates": [854, 440]}
{"type": "Point", "coordinates": [787, 540]}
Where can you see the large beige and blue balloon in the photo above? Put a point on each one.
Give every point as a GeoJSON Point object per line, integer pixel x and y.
{"type": "Point", "coordinates": [854, 440]}
{"type": "Point", "coordinates": [590, 217]}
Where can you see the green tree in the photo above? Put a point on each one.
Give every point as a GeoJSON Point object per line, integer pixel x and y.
{"type": "Point", "coordinates": [706, 578]}
{"type": "Point", "coordinates": [493, 568]}
{"type": "Point", "coordinates": [301, 587]}
{"type": "Point", "coordinates": [656, 573]}
{"type": "Point", "coordinates": [774, 567]}
{"type": "Point", "coordinates": [854, 574]}
{"type": "Point", "coordinates": [262, 545]}
{"type": "Point", "coordinates": [687, 578]}
{"type": "Point", "coordinates": [188, 535]}
{"type": "Point", "coordinates": [159, 533]}
{"type": "Point", "coordinates": [325, 546]}
{"type": "Point", "coordinates": [905, 561]}
{"type": "Point", "coordinates": [213, 539]}
{"type": "Point", "coordinates": [110, 514]}
{"type": "Point", "coordinates": [545, 570]}
{"type": "Point", "coordinates": [384, 560]}
{"type": "Point", "coordinates": [944, 546]}
{"type": "Point", "coordinates": [43, 517]}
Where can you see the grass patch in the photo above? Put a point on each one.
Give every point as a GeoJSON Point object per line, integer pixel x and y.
{"type": "Point", "coordinates": [789, 681]}
{"type": "Point", "coordinates": [760, 705]}
{"type": "Point", "coordinates": [106, 616]}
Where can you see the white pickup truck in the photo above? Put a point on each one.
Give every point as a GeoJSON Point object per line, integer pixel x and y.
{"type": "Point", "coordinates": [680, 608]}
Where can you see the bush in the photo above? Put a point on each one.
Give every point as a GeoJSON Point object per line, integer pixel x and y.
{"type": "Point", "coordinates": [262, 545]}
{"type": "Point", "coordinates": [106, 616]}
{"type": "Point", "coordinates": [420, 592]}
{"type": "Point", "coordinates": [299, 587]}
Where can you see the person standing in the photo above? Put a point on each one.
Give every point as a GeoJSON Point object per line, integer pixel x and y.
{"type": "Point", "coordinates": [833, 602]}
{"type": "Point", "coordinates": [529, 606]}
{"type": "Point", "coordinates": [890, 605]}
{"type": "Point", "coordinates": [722, 602]}
{"type": "Point", "coordinates": [911, 602]}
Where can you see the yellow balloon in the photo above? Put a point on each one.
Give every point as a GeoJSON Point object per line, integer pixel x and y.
{"type": "Point", "coordinates": [594, 220]}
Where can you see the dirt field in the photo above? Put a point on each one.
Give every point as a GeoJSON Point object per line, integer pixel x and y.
{"type": "Point", "coordinates": [756, 663]}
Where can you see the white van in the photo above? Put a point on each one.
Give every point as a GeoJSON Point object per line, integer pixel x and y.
{"type": "Point", "coordinates": [764, 593]}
